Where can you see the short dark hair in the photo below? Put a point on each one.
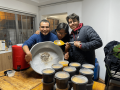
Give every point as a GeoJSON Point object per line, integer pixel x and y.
{"type": "Point", "coordinates": [62, 26]}
{"type": "Point", "coordinates": [72, 16]}
{"type": "Point", "coordinates": [44, 20]}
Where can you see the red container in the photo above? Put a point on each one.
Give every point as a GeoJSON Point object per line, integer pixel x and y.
{"type": "Point", "coordinates": [18, 55]}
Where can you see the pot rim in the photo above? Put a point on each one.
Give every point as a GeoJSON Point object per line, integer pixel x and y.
{"type": "Point", "coordinates": [79, 83]}
{"type": "Point", "coordinates": [48, 73]}
{"type": "Point", "coordinates": [62, 78]}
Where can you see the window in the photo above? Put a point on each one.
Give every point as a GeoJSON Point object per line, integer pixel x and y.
{"type": "Point", "coordinates": [53, 23]}
{"type": "Point", "coordinates": [16, 27]}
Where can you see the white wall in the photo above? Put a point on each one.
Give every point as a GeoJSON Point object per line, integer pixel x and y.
{"type": "Point", "coordinates": [114, 26]}
{"type": "Point", "coordinates": [96, 14]}
{"type": "Point", "coordinates": [62, 8]}
{"type": "Point", "coordinates": [62, 19]}
{"type": "Point", "coordinates": [22, 7]}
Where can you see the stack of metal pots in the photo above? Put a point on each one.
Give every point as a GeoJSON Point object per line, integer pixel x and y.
{"type": "Point", "coordinates": [48, 79]}
{"type": "Point", "coordinates": [73, 77]}
{"type": "Point", "coordinates": [72, 72]}
{"type": "Point", "coordinates": [62, 80]}
{"type": "Point", "coordinates": [85, 71]}
{"type": "Point", "coordinates": [88, 71]}
{"type": "Point", "coordinates": [79, 82]}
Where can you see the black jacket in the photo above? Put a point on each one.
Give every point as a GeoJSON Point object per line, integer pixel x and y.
{"type": "Point", "coordinates": [65, 39]}
{"type": "Point", "coordinates": [110, 58]}
{"type": "Point", "coordinates": [90, 41]}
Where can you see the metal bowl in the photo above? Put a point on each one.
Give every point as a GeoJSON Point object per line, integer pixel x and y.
{"type": "Point", "coordinates": [44, 55]}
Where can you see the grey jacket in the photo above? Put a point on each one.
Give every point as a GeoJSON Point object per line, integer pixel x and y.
{"type": "Point", "coordinates": [90, 41]}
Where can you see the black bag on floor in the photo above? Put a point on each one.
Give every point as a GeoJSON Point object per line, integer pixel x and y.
{"type": "Point", "coordinates": [112, 55]}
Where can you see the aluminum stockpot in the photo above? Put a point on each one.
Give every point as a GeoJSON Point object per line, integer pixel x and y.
{"type": "Point", "coordinates": [44, 55]}
{"type": "Point", "coordinates": [79, 82]}
{"type": "Point", "coordinates": [76, 65]}
{"type": "Point", "coordinates": [62, 78]}
{"type": "Point", "coordinates": [70, 70]}
{"type": "Point", "coordinates": [88, 73]}
{"type": "Point", "coordinates": [90, 86]}
{"type": "Point", "coordinates": [48, 86]}
{"type": "Point", "coordinates": [57, 67]}
{"type": "Point", "coordinates": [89, 66]}
{"type": "Point", "coordinates": [48, 75]}
{"type": "Point", "coordinates": [64, 63]}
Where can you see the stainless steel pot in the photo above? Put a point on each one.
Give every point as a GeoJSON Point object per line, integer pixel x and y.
{"type": "Point", "coordinates": [44, 55]}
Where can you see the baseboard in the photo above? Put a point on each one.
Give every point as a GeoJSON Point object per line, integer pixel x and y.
{"type": "Point", "coordinates": [102, 81]}
{"type": "Point", "coordinates": [113, 84]}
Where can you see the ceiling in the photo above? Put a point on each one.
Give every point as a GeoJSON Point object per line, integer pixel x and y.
{"type": "Point", "coordinates": [56, 15]}
{"type": "Point", "coordinates": [45, 2]}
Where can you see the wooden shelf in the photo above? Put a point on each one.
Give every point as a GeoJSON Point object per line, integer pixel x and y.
{"type": "Point", "coordinates": [53, 23]}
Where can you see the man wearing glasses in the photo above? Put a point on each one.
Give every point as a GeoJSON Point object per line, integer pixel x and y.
{"type": "Point", "coordinates": [62, 32]}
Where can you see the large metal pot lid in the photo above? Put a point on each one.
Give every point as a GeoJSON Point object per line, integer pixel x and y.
{"type": "Point", "coordinates": [44, 55]}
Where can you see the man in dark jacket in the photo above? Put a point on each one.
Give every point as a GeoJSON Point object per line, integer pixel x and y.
{"type": "Point", "coordinates": [85, 39]}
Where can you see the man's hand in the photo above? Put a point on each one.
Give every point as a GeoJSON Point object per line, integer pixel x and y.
{"type": "Point", "coordinates": [37, 32]}
{"type": "Point", "coordinates": [77, 43]}
{"type": "Point", "coordinates": [28, 57]}
{"type": "Point", "coordinates": [67, 46]}
{"type": "Point", "coordinates": [66, 56]}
